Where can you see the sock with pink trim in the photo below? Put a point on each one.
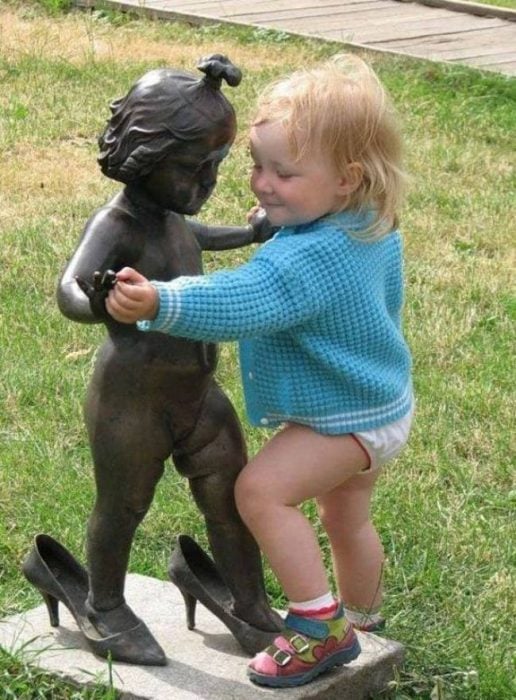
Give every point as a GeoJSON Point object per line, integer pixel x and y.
{"type": "Point", "coordinates": [323, 608]}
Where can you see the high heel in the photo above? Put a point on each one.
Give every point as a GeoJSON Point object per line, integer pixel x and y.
{"type": "Point", "coordinates": [59, 577]}
{"type": "Point", "coordinates": [190, 605]}
{"type": "Point", "coordinates": [198, 579]}
{"type": "Point", "coordinates": [52, 607]}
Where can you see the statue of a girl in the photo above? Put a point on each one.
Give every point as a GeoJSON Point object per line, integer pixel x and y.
{"type": "Point", "coordinates": [153, 396]}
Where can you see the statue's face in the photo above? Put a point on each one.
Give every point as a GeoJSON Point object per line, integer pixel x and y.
{"type": "Point", "coordinates": [184, 180]}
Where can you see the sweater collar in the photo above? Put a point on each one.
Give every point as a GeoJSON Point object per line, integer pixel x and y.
{"type": "Point", "coordinates": [350, 220]}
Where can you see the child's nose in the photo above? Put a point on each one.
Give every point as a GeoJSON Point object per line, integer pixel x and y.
{"type": "Point", "coordinates": [262, 182]}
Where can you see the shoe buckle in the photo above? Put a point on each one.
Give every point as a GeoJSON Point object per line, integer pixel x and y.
{"type": "Point", "coordinates": [281, 658]}
{"type": "Point", "coordinates": [299, 643]}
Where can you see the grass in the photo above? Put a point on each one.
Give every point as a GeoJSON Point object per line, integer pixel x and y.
{"type": "Point", "coordinates": [511, 4]}
{"type": "Point", "coordinates": [445, 510]}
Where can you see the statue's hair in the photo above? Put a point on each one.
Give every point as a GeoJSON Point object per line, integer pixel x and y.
{"type": "Point", "coordinates": [165, 108]}
{"type": "Point", "coordinates": [341, 111]}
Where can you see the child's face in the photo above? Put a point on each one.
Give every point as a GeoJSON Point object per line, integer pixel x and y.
{"type": "Point", "coordinates": [184, 180]}
{"type": "Point", "coordinates": [291, 191]}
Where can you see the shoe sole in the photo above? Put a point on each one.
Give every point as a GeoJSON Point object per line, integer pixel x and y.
{"type": "Point", "coordinates": [337, 659]}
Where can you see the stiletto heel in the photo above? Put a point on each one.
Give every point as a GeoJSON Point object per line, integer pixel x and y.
{"type": "Point", "coordinates": [190, 604]}
{"type": "Point", "coordinates": [52, 607]}
{"type": "Point", "coordinates": [59, 577]}
{"type": "Point", "coordinates": [198, 579]}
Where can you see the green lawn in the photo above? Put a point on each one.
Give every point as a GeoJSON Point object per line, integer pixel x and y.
{"type": "Point", "coordinates": [443, 509]}
{"type": "Point", "coordinates": [511, 4]}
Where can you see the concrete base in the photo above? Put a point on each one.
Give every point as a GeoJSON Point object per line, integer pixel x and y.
{"type": "Point", "coordinates": [206, 663]}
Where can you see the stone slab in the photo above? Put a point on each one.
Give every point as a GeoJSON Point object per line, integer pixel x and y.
{"type": "Point", "coordinates": [203, 664]}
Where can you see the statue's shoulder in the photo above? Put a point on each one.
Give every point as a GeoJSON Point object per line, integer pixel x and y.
{"type": "Point", "coordinates": [114, 217]}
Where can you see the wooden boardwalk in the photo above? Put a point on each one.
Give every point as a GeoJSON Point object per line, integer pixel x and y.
{"type": "Point", "coordinates": [476, 35]}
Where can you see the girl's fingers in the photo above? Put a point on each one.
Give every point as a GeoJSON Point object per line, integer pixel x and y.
{"type": "Point", "coordinates": [118, 313]}
{"type": "Point", "coordinates": [252, 212]}
{"type": "Point", "coordinates": [130, 275]}
{"type": "Point", "coordinates": [136, 292]}
{"type": "Point", "coordinates": [129, 303]}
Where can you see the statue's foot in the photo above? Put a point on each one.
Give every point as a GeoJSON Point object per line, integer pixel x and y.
{"type": "Point", "coordinates": [124, 637]}
{"type": "Point", "coordinates": [117, 634]}
{"type": "Point", "coordinates": [198, 579]}
{"type": "Point", "coordinates": [260, 616]}
{"type": "Point", "coordinates": [114, 621]}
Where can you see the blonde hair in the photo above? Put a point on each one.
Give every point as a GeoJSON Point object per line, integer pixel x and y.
{"type": "Point", "coordinates": [342, 111]}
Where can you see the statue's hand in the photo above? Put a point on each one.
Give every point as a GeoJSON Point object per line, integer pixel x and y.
{"type": "Point", "coordinates": [97, 290]}
{"type": "Point", "coordinates": [262, 227]}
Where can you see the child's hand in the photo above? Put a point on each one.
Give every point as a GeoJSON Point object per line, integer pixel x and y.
{"type": "Point", "coordinates": [260, 224]}
{"type": "Point", "coordinates": [133, 298]}
{"type": "Point", "coordinates": [253, 211]}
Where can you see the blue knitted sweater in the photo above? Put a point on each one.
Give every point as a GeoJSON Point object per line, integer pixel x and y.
{"type": "Point", "coordinates": [317, 312]}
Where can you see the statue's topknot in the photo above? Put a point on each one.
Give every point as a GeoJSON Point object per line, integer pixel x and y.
{"type": "Point", "coordinates": [217, 67]}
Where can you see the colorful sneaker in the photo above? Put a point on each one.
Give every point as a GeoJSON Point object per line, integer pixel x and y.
{"type": "Point", "coordinates": [305, 649]}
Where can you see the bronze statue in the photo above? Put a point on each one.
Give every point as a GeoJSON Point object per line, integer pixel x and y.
{"type": "Point", "coordinates": [153, 396]}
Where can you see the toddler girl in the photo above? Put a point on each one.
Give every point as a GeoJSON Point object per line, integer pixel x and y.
{"type": "Point", "coordinates": [317, 312]}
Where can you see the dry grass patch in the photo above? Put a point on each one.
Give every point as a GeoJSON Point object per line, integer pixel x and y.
{"type": "Point", "coordinates": [39, 176]}
{"type": "Point", "coordinates": [82, 37]}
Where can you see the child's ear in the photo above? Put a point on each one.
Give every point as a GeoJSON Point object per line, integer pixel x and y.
{"type": "Point", "coordinates": [350, 181]}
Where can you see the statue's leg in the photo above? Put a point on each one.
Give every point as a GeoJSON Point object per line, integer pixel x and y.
{"type": "Point", "coordinates": [211, 458]}
{"type": "Point", "coordinates": [129, 446]}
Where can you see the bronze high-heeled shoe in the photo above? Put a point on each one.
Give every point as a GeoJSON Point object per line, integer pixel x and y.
{"type": "Point", "coordinates": [198, 579]}
{"type": "Point", "coordinates": [59, 577]}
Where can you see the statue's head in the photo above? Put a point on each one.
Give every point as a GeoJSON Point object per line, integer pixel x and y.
{"type": "Point", "coordinates": [170, 133]}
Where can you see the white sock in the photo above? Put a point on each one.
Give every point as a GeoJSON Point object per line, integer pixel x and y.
{"type": "Point", "coordinates": [360, 618]}
{"type": "Point", "coordinates": [323, 601]}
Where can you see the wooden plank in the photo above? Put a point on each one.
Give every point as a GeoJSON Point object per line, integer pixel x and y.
{"type": "Point", "coordinates": [499, 60]}
{"type": "Point", "coordinates": [456, 54]}
{"type": "Point", "coordinates": [250, 10]}
{"type": "Point", "coordinates": [263, 5]}
{"type": "Point", "coordinates": [461, 22]}
{"type": "Point", "coordinates": [225, 8]}
{"type": "Point", "coordinates": [160, 9]}
{"type": "Point", "coordinates": [478, 37]}
{"type": "Point", "coordinates": [508, 68]}
{"type": "Point", "coordinates": [374, 34]}
{"type": "Point", "coordinates": [260, 19]}
{"type": "Point", "coordinates": [365, 13]}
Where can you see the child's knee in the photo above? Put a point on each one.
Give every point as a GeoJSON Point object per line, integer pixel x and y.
{"type": "Point", "coordinates": [243, 491]}
{"type": "Point", "coordinates": [249, 494]}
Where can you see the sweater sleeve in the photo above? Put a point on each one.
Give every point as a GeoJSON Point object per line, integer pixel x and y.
{"type": "Point", "coordinates": [259, 298]}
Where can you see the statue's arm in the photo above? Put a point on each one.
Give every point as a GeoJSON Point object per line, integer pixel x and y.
{"type": "Point", "coordinates": [226, 237]}
{"type": "Point", "coordinates": [103, 246]}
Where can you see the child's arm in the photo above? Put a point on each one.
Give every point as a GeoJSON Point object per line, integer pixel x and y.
{"type": "Point", "coordinates": [278, 289]}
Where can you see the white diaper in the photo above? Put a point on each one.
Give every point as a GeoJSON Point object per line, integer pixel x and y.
{"type": "Point", "coordinates": [385, 443]}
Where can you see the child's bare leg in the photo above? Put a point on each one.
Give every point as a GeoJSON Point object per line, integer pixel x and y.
{"type": "Point", "coordinates": [297, 464]}
{"type": "Point", "coordinates": [356, 548]}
